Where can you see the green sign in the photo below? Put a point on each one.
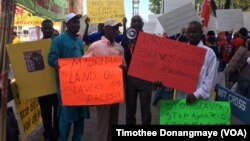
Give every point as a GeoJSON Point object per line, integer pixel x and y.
{"type": "Point", "coordinates": [199, 113]}
{"type": "Point", "coordinates": [52, 9]}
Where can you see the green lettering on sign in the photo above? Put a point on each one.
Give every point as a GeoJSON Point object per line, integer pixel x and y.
{"type": "Point", "coordinates": [199, 113]}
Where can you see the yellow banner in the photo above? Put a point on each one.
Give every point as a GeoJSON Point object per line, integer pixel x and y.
{"type": "Point", "coordinates": [100, 10]}
{"type": "Point", "coordinates": [34, 77]}
{"type": "Point", "coordinates": [25, 18]}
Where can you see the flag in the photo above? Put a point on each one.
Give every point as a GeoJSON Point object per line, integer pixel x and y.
{"type": "Point", "coordinates": [206, 12]}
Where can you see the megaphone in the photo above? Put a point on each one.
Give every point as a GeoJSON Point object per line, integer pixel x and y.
{"type": "Point", "coordinates": [131, 33]}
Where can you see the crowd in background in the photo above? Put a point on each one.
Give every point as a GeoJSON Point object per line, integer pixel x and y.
{"type": "Point", "coordinates": [109, 41]}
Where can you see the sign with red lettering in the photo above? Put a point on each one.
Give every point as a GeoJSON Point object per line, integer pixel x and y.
{"type": "Point", "coordinates": [176, 64]}
{"type": "Point", "coordinates": [91, 81]}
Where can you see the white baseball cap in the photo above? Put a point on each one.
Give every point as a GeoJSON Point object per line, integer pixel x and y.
{"type": "Point", "coordinates": [70, 16]}
{"type": "Point", "coordinates": [111, 22]}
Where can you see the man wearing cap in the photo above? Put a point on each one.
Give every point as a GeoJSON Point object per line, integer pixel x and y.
{"type": "Point", "coordinates": [68, 45]}
{"type": "Point", "coordinates": [89, 39]}
{"type": "Point", "coordinates": [107, 115]}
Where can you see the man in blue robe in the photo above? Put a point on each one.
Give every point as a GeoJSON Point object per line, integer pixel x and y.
{"type": "Point", "coordinates": [68, 45]}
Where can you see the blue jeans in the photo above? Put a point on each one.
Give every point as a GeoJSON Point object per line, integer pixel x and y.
{"type": "Point", "coordinates": [77, 130]}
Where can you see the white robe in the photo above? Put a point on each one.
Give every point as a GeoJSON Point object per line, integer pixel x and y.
{"type": "Point", "coordinates": [207, 79]}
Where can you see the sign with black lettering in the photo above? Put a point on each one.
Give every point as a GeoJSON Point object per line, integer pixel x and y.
{"type": "Point", "coordinates": [100, 10]}
{"type": "Point", "coordinates": [176, 64]}
{"type": "Point", "coordinates": [27, 111]}
{"type": "Point", "coordinates": [91, 80]}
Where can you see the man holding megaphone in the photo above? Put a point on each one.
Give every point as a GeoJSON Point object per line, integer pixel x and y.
{"type": "Point", "coordinates": [135, 86]}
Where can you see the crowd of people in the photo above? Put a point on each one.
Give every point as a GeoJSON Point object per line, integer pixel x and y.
{"type": "Point", "coordinates": [108, 41]}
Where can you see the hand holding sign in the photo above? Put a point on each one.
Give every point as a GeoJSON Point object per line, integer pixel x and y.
{"type": "Point", "coordinates": [190, 98]}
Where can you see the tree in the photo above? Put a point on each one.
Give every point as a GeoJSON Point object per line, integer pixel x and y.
{"type": "Point", "coordinates": [242, 4]}
{"type": "Point", "coordinates": [155, 5]}
{"type": "Point", "coordinates": [227, 4]}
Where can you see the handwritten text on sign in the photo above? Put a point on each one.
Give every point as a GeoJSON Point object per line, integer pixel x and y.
{"type": "Point", "coordinates": [91, 81]}
{"type": "Point", "coordinates": [100, 10]}
{"type": "Point", "coordinates": [201, 112]}
{"type": "Point", "coordinates": [29, 112]}
{"type": "Point", "coordinates": [174, 63]}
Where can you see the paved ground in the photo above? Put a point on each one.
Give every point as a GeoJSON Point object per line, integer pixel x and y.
{"type": "Point", "coordinates": [90, 123]}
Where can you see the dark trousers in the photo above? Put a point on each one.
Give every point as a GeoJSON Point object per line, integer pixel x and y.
{"type": "Point", "coordinates": [51, 126]}
{"type": "Point", "coordinates": [12, 126]}
{"type": "Point", "coordinates": [135, 87]}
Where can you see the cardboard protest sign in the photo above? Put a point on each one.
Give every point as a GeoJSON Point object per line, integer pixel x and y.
{"type": "Point", "coordinates": [149, 27]}
{"type": "Point", "coordinates": [91, 81]}
{"type": "Point", "coordinates": [158, 28]}
{"type": "Point", "coordinates": [175, 20]}
{"type": "Point", "coordinates": [174, 63]}
{"type": "Point", "coordinates": [199, 113]}
{"type": "Point", "coordinates": [100, 10]}
{"type": "Point", "coordinates": [246, 18]}
{"type": "Point", "coordinates": [170, 5]}
{"type": "Point", "coordinates": [27, 113]}
{"type": "Point", "coordinates": [34, 76]}
{"type": "Point", "coordinates": [240, 105]}
{"type": "Point", "coordinates": [229, 19]}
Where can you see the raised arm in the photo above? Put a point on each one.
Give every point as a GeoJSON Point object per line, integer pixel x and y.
{"type": "Point", "coordinates": [85, 34]}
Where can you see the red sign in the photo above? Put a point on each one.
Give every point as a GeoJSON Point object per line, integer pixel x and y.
{"type": "Point", "coordinates": [176, 64]}
{"type": "Point", "coordinates": [91, 81]}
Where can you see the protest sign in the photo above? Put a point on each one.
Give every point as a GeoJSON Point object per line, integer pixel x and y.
{"type": "Point", "coordinates": [158, 28]}
{"type": "Point", "coordinates": [229, 19]}
{"type": "Point", "coordinates": [170, 5]}
{"type": "Point", "coordinates": [26, 111]}
{"type": "Point", "coordinates": [246, 18]}
{"type": "Point", "coordinates": [240, 105]}
{"type": "Point", "coordinates": [100, 10]}
{"type": "Point", "coordinates": [149, 27]}
{"type": "Point", "coordinates": [174, 63]}
{"type": "Point", "coordinates": [91, 81]}
{"type": "Point", "coordinates": [179, 18]}
{"type": "Point", "coordinates": [199, 113]}
{"type": "Point", "coordinates": [34, 76]}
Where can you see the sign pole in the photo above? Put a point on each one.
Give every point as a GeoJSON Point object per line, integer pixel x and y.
{"type": "Point", "coordinates": [7, 10]}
